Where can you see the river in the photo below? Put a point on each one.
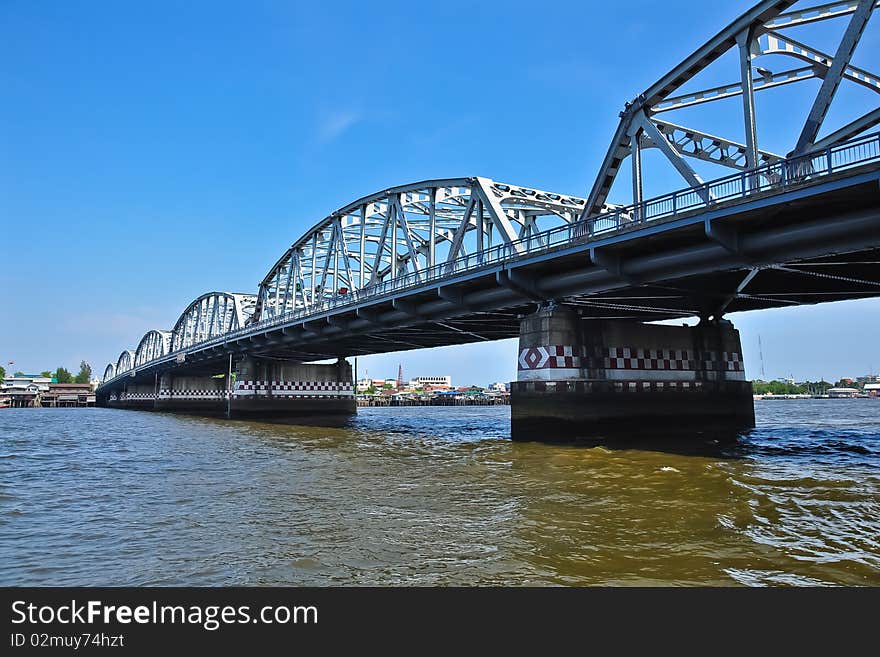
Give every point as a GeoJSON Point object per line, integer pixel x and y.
{"type": "Point", "coordinates": [433, 496]}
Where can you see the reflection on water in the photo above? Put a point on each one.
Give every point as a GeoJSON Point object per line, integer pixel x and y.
{"type": "Point", "coordinates": [433, 495]}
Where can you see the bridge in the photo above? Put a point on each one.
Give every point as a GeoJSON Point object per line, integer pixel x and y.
{"type": "Point", "coordinates": [460, 260]}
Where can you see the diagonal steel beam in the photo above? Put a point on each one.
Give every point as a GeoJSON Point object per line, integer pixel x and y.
{"type": "Point", "coordinates": [496, 212]}
{"type": "Point", "coordinates": [744, 283]}
{"type": "Point", "coordinates": [289, 283]}
{"type": "Point", "coordinates": [462, 229]}
{"type": "Point", "coordinates": [671, 154]}
{"type": "Point", "coordinates": [773, 43]}
{"type": "Point", "coordinates": [734, 89]}
{"type": "Point", "coordinates": [380, 248]}
{"type": "Point", "coordinates": [331, 247]}
{"type": "Point", "coordinates": [346, 256]}
{"type": "Point", "coordinates": [710, 148]}
{"type": "Point", "coordinates": [850, 130]}
{"type": "Point", "coordinates": [832, 80]}
{"type": "Point", "coordinates": [404, 225]}
{"type": "Point", "coordinates": [813, 14]}
{"type": "Point", "coordinates": [617, 153]}
{"type": "Point", "coordinates": [299, 283]}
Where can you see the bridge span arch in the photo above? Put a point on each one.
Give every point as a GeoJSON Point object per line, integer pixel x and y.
{"type": "Point", "coordinates": [211, 315]}
{"type": "Point", "coordinates": [407, 230]}
{"type": "Point", "coordinates": [109, 372]}
{"type": "Point", "coordinates": [154, 344]}
{"type": "Point", "coordinates": [125, 362]}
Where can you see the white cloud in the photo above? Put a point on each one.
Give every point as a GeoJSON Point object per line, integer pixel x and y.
{"type": "Point", "coordinates": [333, 124]}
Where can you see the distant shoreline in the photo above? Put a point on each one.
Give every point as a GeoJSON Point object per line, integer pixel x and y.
{"type": "Point", "coordinates": [789, 397]}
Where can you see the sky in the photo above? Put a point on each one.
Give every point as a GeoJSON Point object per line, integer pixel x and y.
{"type": "Point", "coordinates": [150, 152]}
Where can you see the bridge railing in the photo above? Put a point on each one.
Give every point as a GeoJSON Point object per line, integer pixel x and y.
{"type": "Point", "coordinates": [770, 177]}
{"type": "Point", "coordinates": [778, 176]}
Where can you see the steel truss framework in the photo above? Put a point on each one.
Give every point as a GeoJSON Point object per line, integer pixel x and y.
{"type": "Point", "coordinates": [406, 230]}
{"type": "Point", "coordinates": [124, 363]}
{"type": "Point", "coordinates": [153, 345]}
{"type": "Point", "coordinates": [757, 34]}
{"type": "Point", "coordinates": [210, 315]}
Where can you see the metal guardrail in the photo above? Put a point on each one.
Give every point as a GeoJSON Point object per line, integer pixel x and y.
{"type": "Point", "coordinates": [779, 176]}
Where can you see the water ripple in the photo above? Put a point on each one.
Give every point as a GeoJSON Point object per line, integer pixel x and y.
{"type": "Point", "coordinates": [433, 496]}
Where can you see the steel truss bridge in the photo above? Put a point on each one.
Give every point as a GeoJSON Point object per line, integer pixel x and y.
{"type": "Point", "coordinates": [461, 260]}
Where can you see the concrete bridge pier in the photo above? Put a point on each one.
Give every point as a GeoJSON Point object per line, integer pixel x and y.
{"type": "Point", "coordinates": [598, 379]}
{"type": "Point", "coordinates": [277, 388]}
{"type": "Point", "coordinates": [192, 394]}
{"type": "Point", "coordinates": [137, 396]}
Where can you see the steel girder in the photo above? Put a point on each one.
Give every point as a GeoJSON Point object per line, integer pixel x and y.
{"type": "Point", "coordinates": [406, 230]}
{"type": "Point", "coordinates": [755, 34]}
{"type": "Point", "coordinates": [211, 315]}
{"type": "Point", "coordinates": [153, 345]}
{"type": "Point", "coordinates": [125, 362]}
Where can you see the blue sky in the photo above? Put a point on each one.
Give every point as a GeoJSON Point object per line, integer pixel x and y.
{"type": "Point", "coordinates": [150, 152]}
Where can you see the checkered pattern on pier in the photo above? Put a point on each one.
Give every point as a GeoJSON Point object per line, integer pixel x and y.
{"type": "Point", "coordinates": [628, 358]}
{"type": "Point", "coordinates": [137, 395]}
{"type": "Point", "coordinates": [332, 389]}
{"type": "Point", "coordinates": [170, 393]}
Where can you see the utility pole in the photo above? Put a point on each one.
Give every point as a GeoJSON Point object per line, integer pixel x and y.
{"type": "Point", "coordinates": [761, 353]}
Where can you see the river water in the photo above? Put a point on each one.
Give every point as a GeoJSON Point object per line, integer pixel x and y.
{"type": "Point", "coordinates": [433, 496]}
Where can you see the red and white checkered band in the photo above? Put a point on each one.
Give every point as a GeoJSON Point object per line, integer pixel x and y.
{"type": "Point", "coordinates": [555, 357]}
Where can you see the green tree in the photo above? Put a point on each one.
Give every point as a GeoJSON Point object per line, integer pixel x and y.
{"type": "Point", "coordinates": [2, 372]}
{"type": "Point", "coordinates": [778, 388]}
{"type": "Point", "coordinates": [817, 387]}
{"type": "Point", "coordinates": [85, 373]}
{"type": "Point", "coordinates": [46, 374]}
{"type": "Point", "coordinates": [63, 376]}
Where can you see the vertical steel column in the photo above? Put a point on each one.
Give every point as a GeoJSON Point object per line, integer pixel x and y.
{"type": "Point", "coordinates": [362, 245]}
{"type": "Point", "coordinates": [490, 228]}
{"type": "Point", "coordinates": [314, 264]}
{"type": "Point", "coordinates": [432, 218]}
{"type": "Point", "coordinates": [480, 225]}
{"type": "Point", "coordinates": [335, 242]}
{"type": "Point", "coordinates": [392, 225]}
{"type": "Point", "coordinates": [744, 41]}
{"type": "Point", "coordinates": [291, 265]}
{"type": "Point", "coordinates": [636, 156]}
